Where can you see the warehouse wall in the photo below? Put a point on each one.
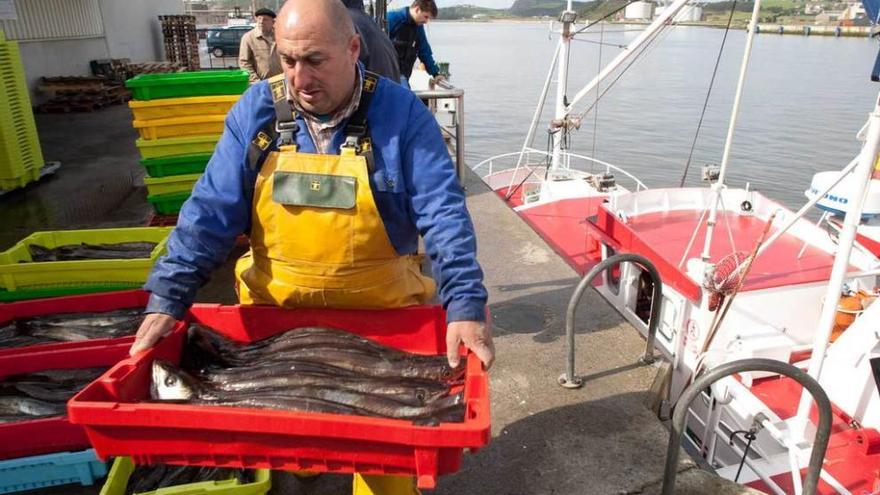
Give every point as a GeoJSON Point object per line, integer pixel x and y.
{"type": "Point", "coordinates": [130, 29]}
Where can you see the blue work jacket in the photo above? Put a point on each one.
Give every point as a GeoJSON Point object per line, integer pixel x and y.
{"type": "Point", "coordinates": [396, 18]}
{"type": "Point", "coordinates": [413, 182]}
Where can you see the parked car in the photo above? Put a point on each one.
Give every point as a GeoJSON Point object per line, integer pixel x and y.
{"type": "Point", "coordinates": [224, 42]}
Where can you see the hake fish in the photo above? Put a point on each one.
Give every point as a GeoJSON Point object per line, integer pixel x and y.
{"type": "Point", "coordinates": [41, 394]}
{"type": "Point", "coordinates": [312, 370]}
{"type": "Point", "coordinates": [149, 478]}
{"type": "Point", "coordinates": [173, 384]}
{"type": "Point", "coordinates": [83, 251]}
{"type": "Point", "coordinates": [70, 327]}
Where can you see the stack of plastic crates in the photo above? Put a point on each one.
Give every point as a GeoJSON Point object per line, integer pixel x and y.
{"type": "Point", "coordinates": [20, 156]}
{"type": "Point", "coordinates": [179, 117]}
{"type": "Point", "coordinates": [181, 40]}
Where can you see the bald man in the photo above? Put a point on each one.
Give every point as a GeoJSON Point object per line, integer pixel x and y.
{"type": "Point", "coordinates": [334, 173]}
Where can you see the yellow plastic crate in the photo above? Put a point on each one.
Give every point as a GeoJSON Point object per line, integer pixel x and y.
{"type": "Point", "coordinates": [182, 107]}
{"type": "Point", "coordinates": [171, 184]}
{"type": "Point", "coordinates": [179, 126]}
{"type": "Point", "coordinates": [20, 152]}
{"type": "Point", "coordinates": [27, 176]}
{"type": "Point", "coordinates": [117, 482]}
{"type": "Point", "coordinates": [191, 145]}
{"type": "Point", "coordinates": [17, 271]}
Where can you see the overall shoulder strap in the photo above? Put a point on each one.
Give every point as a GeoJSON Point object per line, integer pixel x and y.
{"type": "Point", "coordinates": [356, 131]}
{"type": "Point", "coordinates": [283, 125]}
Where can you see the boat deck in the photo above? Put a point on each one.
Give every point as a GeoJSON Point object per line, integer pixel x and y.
{"type": "Point", "coordinates": [563, 224]}
{"type": "Point", "coordinates": [847, 458]}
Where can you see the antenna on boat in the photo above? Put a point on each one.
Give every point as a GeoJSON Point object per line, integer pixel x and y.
{"type": "Point", "coordinates": [559, 168]}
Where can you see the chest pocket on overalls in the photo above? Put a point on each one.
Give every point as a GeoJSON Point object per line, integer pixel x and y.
{"type": "Point", "coordinates": [314, 190]}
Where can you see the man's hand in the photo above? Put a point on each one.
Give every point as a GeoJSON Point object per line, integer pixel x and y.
{"type": "Point", "coordinates": [154, 327]}
{"type": "Point", "coordinates": [439, 77]}
{"type": "Point", "coordinates": [475, 335]}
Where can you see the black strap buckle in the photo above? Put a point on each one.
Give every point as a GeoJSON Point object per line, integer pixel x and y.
{"type": "Point", "coordinates": [287, 130]}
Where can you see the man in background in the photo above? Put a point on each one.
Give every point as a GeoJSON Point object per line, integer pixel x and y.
{"type": "Point", "coordinates": [377, 53]}
{"type": "Point", "coordinates": [406, 27]}
{"type": "Point", "coordinates": [257, 53]}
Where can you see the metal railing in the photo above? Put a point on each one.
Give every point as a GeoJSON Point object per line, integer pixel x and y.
{"type": "Point", "coordinates": [489, 163]}
{"type": "Point", "coordinates": [569, 379]}
{"type": "Point", "coordinates": [442, 90]}
{"type": "Point", "coordinates": [823, 429]}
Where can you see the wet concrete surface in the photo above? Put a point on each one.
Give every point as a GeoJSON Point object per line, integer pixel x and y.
{"type": "Point", "coordinates": [545, 440]}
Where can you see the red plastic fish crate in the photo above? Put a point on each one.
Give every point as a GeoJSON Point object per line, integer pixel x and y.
{"type": "Point", "coordinates": [88, 303]}
{"type": "Point", "coordinates": [55, 434]}
{"type": "Point", "coordinates": [118, 422]}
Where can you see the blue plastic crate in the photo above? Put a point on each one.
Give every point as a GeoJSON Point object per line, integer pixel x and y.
{"type": "Point", "coordinates": [30, 473]}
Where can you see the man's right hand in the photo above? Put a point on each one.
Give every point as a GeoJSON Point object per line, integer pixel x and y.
{"type": "Point", "coordinates": [154, 327]}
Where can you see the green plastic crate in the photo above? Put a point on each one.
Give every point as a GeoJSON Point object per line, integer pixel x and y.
{"type": "Point", "coordinates": [190, 145]}
{"type": "Point", "coordinates": [184, 84]}
{"type": "Point", "coordinates": [18, 272]}
{"type": "Point", "coordinates": [176, 165]}
{"type": "Point", "coordinates": [160, 186]}
{"type": "Point", "coordinates": [117, 482]}
{"type": "Point", "coordinates": [62, 291]}
{"type": "Point", "coordinates": [168, 204]}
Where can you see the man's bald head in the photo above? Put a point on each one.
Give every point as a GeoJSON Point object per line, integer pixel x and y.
{"type": "Point", "coordinates": [323, 14]}
{"type": "Point", "coordinates": [319, 50]}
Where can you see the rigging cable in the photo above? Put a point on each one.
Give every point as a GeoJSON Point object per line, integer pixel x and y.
{"type": "Point", "coordinates": [687, 165]}
{"type": "Point", "coordinates": [749, 435]}
{"type": "Point", "coordinates": [636, 57]}
{"type": "Point", "coordinates": [606, 16]}
{"type": "Point", "coordinates": [596, 113]}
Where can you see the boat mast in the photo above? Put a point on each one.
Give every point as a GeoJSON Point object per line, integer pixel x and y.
{"type": "Point", "coordinates": [559, 161]}
{"type": "Point", "coordinates": [558, 165]}
{"type": "Point", "coordinates": [718, 186]}
{"type": "Point", "coordinates": [862, 180]}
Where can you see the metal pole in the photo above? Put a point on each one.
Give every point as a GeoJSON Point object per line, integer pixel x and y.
{"type": "Point", "coordinates": [862, 178]}
{"type": "Point", "coordinates": [725, 158]}
{"type": "Point", "coordinates": [811, 386]}
{"type": "Point", "coordinates": [776, 235]}
{"type": "Point", "coordinates": [459, 137]}
{"type": "Point", "coordinates": [559, 115]}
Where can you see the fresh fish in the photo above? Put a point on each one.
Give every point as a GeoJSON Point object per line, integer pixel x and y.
{"type": "Point", "coordinates": [148, 478]}
{"type": "Point", "coordinates": [412, 393]}
{"type": "Point", "coordinates": [83, 251]}
{"type": "Point", "coordinates": [312, 370]}
{"type": "Point", "coordinates": [42, 394]}
{"type": "Point", "coordinates": [26, 406]}
{"type": "Point", "coordinates": [70, 327]}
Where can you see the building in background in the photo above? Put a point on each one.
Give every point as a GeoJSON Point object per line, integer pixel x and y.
{"type": "Point", "coordinates": [61, 37]}
{"type": "Point", "coordinates": [640, 10]}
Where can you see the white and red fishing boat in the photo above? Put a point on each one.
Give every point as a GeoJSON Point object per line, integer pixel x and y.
{"type": "Point", "coordinates": [742, 277]}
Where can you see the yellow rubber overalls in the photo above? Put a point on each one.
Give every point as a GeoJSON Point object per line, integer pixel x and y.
{"type": "Point", "coordinates": [317, 239]}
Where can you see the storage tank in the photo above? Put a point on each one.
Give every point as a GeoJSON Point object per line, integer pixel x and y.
{"type": "Point", "coordinates": [639, 10]}
{"type": "Point", "coordinates": [690, 13]}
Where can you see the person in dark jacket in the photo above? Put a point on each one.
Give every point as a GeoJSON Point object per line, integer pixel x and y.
{"type": "Point", "coordinates": [377, 53]}
{"type": "Point", "coordinates": [406, 27]}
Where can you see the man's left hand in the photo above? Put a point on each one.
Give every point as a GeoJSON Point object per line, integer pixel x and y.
{"type": "Point", "coordinates": [475, 335]}
{"type": "Point", "coordinates": [439, 77]}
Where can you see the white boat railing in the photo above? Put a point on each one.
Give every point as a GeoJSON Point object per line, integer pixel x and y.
{"type": "Point", "coordinates": [529, 165]}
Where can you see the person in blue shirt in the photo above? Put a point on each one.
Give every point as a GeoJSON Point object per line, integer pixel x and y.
{"type": "Point", "coordinates": [406, 27]}
{"type": "Point", "coordinates": [334, 172]}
